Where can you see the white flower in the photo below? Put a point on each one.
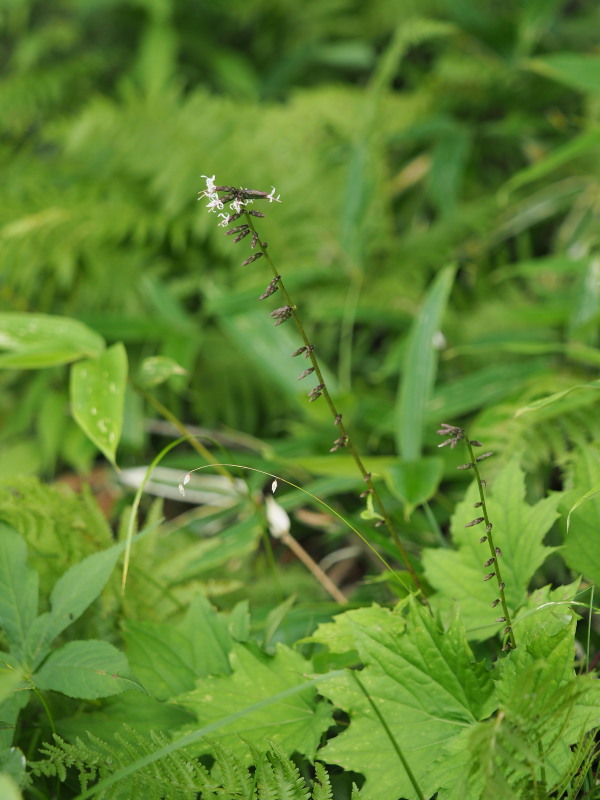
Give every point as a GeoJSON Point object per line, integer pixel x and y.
{"type": "Point", "coordinates": [271, 197]}
{"type": "Point", "coordinates": [210, 184]}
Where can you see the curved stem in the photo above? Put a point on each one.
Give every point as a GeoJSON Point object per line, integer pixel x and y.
{"type": "Point", "coordinates": [344, 436]}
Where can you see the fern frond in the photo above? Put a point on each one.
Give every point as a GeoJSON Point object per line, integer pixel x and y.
{"type": "Point", "coordinates": [290, 783]}
{"type": "Point", "coordinates": [322, 786]}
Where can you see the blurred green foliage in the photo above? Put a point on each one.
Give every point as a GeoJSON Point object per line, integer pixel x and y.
{"type": "Point", "coordinates": [402, 136]}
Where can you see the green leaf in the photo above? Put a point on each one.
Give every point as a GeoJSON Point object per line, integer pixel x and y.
{"type": "Point", "coordinates": [414, 482]}
{"type": "Point", "coordinates": [554, 398]}
{"type": "Point", "coordinates": [581, 549]}
{"type": "Point", "coordinates": [519, 529]}
{"type": "Point", "coordinates": [18, 590]}
{"type": "Point", "coordinates": [8, 788]}
{"type": "Point", "coordinates": [296, 724]}
{"type": "Point", "coordinates": [156, 370]}
{"type": "Point", "coordinates": [98, 397]}
{"type": "Point", "coordinates": [580, 71]}
{"type": "Point", "coordinates": [420, 365]}
{"type": "Point", "coordinates": [169, 659]}
{"type": "Point", "coordinates": [72, 594]}
{"type": "Point", "coordinates": [31, 341]}
{"type": "Point", "coordinates": [427, 687]}
{"type": "Point", "coordinates": [86, 670]}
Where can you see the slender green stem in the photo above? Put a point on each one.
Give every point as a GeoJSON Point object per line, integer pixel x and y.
{"type": "Point", "coordinates": [45, 706]}
{"type": "Point", "coordinates": [494, 552]}
{"type": "Point", "coordinates": [390, 736]}
{"type": "Point", "coordinates": [344, 436]}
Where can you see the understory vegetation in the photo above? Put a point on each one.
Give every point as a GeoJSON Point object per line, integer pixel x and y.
{"type": "Point", "coordinates": [299, 328]}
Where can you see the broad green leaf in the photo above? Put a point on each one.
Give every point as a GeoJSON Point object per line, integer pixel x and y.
{"type": "Point", "coordinates": [72, 594]}
{"type": "Point", "coordinates": [32, 341]}
{"type": "Point", "coordinates": [10, 678]}
{"type": "Point", "coordinates": [580, 71]}
{"type": "Point", "coordinates": [98, 396]}
{"type": "Point", "coordinates": [428, 689]}
{"type": "Point", "coordinates": [420, 364]}
{"type": "Point", "coordinates": [414, 482]}
{"type": "Point", "coordinates": [339, 635]}
{"type": "Point", "coordinates": [18, 590]}
{"type": "Point", "coordinates": [8, 788]}
{"type": "Point", "coordinates": [156, 370]}
{"type": "Point", "coordinates": [296, 724]}
{"type": "Point", "coordinates": [169, 658]}
{"type": "Point", "coordinates": [581, 549]}
{"type": "Point", "coordinates": [86, 670]}
{"type": "Point", "coordinates": [519, 530]}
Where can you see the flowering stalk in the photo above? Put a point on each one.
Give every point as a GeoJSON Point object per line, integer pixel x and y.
{"type": "Point", "coordinates": [455, 434]}
{"type": "Point", "coordinates": [238, 201]}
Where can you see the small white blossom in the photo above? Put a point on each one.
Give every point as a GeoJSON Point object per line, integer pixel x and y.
{"type": "Point", "coordinates": [210, 184]}
{"type": "Point", "coordinates": [271, 197]}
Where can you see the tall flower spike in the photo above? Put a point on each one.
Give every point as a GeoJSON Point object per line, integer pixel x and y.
{"type": "Point", "coordinates": [238, 200]}
{"type": "Point", "coordinates": [455, 435]}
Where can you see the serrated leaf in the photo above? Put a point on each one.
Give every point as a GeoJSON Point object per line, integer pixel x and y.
{"type": "Point", "coordinates": [18, 590]}
{"type": "Point", "coordinates": [427, 687]}
{"type": "Point", "coordinates": [86, 670]}
{"type": "Point", "coordinates": [296, 724]}
{"type": "Point", "coordinates": [519, 530]}
{"type": "Point", "coordinates": [98, 398]}
{"type": "Point", "coordinates": [32, 341]}
{"type": "Point", "coordinates": [338, 635]}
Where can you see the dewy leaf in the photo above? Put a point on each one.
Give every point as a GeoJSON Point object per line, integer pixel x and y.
{"type": "Point", "coordinates": [72, 594]}
{"type": "Point", "coordinates": [31, 341]}
{"type": "Point", "coordinates": [519, 529]}
{"type": "Point", "coordinates": [156, 370]}
{"type": "Point", "coordinates": [86, 670]}
{"type": "Point", "coordinates": [428, 689]}
{"type": "Point", "coordinates": [18, 590]}
{"type": "Point", "coordinates": [98, 396]}
{"type": "Point", "coordinates": [295, 724]}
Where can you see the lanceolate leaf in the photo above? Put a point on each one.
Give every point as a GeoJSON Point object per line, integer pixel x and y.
{"type": "Point", "coordinates": [428, 689]}
{"type": "Point", "coordinates": [98, 396]}
{"type": "Point", "coordinates": [420, 365]}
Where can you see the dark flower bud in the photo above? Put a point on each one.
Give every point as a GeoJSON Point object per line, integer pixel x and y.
{"type": "Point", "coordinates": [237, 229]}
{"type": "Point", "coordinates": [495, 602]}
{"type": "Point", "coordinates": [280, 314]}
{"type": "Point", "coordinates": [489, 562]}
{"type": "Point", "coordinates": [271, 289]}
{"type": "Point", "coordinates": [484, 455]}
{"type": "Point", "coordinates": [298, 351]}
{"type": "Point", "coordinates": [498, 552]}
{"type": "Point", "coordinates": [508, 629]}
{"type": "Point", "coordinates": [256, 213]}
{"type": "Point", "coordinates": [309, 350]}
{"type": "Point", "coordinates": [364, 494]}
{"type": "Point", "coordinates": [466, 466]}
{"type": "Point", "coordinates": [251, 259]}
{"type": "Point", "coordinates": [477, 505]}
{"type": "Point", "coordinates": [313, 397]}
{"type": "Point", "coordinates": [500, 619]}
{"type": "Point", "coordinates": [233, 218]}
{"type": "Point", "coordinates": [488, 527]}
{"type": "Point", "coordinates": [338, 419]}
{"type": "Point", "coordinates": [483, 539]}
{"type": "Point", "coordinates": [379, 523]}
{"type": "Point", "coordinates": [475, 443]}
{"type": "Point", "coordinates": [489, 577]}
{"type": "Point", "coordinates": [254, 240]}
{"type": "Point", "coordinates": [483, 483]}
{"type": "Point", "coordinates": [305, 373]}
{"type": "Point", "coordinates": [474, 522]}
{"type": "Point", "coordinates": [241, 236]}
{"type": "Point", "coordinates": [501, 586]}
{"type": "Point", "coordinates": [368, 476]}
